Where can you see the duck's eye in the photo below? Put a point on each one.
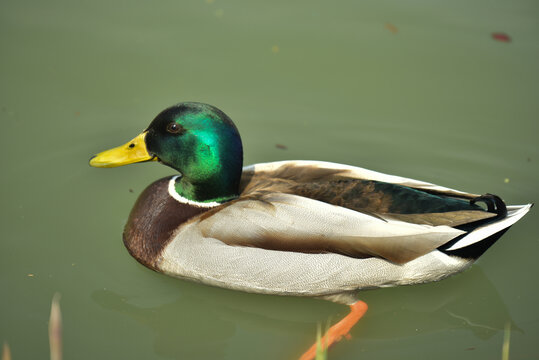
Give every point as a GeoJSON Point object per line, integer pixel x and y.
{"type": "Point", "coordinates": [174, 128]}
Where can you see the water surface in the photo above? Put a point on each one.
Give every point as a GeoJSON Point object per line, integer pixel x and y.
{"type": "Point", "coordinates": [414, 88]}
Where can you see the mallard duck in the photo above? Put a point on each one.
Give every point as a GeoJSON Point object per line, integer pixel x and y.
{"type": "Point", "coordinates": [301, 228]}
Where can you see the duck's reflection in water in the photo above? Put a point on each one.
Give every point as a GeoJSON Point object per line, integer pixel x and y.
{"type": "Point", "coordinates": [201, 323]}
{"type": "Point", "coordinates": [467, 301]}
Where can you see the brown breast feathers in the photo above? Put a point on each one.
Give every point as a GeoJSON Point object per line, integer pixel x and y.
{"type": "Point", "coordinates": [152, 222]}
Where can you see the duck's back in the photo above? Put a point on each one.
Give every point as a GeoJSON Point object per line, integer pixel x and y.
{"type": "Point", "coordinates": [404, 199]}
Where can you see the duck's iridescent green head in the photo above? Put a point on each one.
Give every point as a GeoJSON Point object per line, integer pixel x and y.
{"type": "Point", "coordinates": [198, 140]}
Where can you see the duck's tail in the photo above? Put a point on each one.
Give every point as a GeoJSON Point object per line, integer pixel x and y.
{"type": "Point", "coordinates": [475, 242]}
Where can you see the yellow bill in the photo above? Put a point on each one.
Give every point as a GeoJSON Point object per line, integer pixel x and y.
{"type": "Point", "coordinates": [132, 152]}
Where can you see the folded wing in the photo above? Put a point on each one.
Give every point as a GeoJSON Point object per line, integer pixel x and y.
{"type": "Point", "coordinates": [288, 222]}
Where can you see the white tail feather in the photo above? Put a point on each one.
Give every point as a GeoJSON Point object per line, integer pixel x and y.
{"type": "Point", "coordinates": [514, 213]}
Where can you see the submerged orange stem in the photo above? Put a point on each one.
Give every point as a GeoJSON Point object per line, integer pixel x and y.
{"type": "Point", "coordinates": [340, 329]}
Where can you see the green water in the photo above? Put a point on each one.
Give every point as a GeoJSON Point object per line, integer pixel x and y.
{"type": "Point", "coordinates": [439, 100]}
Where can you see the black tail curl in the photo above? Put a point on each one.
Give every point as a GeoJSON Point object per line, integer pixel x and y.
{"type": "Point", "coordinates": [494, 204]}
